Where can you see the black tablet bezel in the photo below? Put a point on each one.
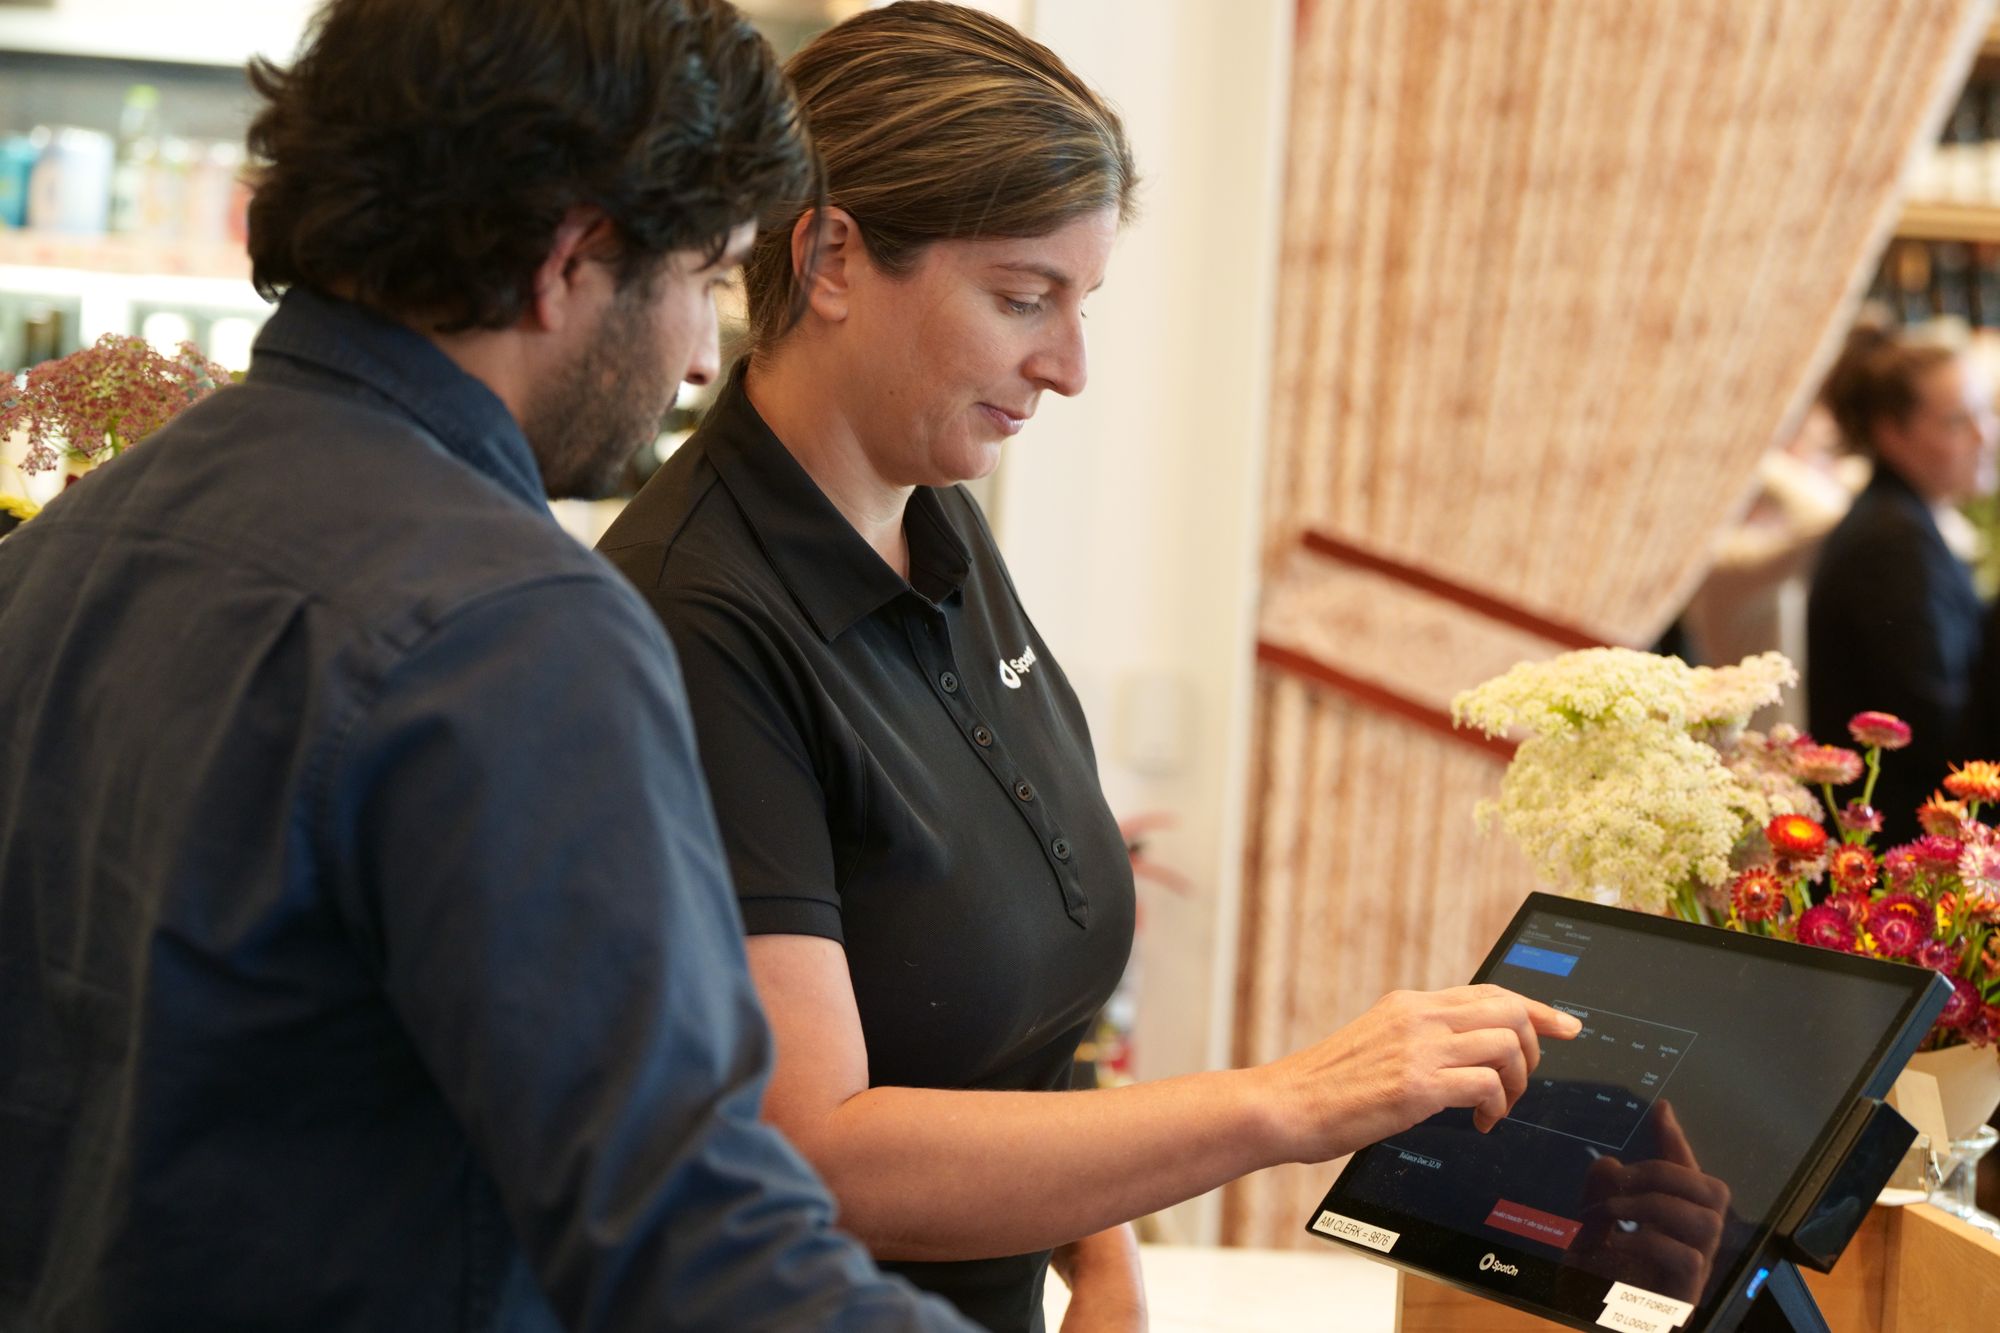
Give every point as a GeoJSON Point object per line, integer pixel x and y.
{"type": "Point", "coordinates": [1452, 1258]}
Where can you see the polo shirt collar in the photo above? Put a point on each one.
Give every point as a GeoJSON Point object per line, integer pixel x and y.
{"type": "Point", "coordinates": [832, 571]}
{"type": "Point", "coordinates": [413, 377]}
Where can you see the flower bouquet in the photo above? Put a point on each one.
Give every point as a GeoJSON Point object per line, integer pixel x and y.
{"type": "Point", "coordinates": [89, 406]}
{"type": "Point", "coordinates": [1637, 782]}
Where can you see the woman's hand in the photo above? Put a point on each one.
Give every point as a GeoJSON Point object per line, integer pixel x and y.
{"type": "Point", "coordinates": [1413, 1054]}
{"type": "Point", "coordinates": [1107, 1292]}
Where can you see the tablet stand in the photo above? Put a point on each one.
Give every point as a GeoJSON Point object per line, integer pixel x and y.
{"type": "Point", "coordinates": [1863, 1154]}
{"type": "Point", "coordinates": [1785, 1305]}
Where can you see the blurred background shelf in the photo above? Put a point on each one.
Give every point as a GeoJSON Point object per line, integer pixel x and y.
{"type": "Point", "coordinates": [124, 254]}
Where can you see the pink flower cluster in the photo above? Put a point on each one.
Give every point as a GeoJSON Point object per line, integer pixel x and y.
{"type": "Point", "coordinates": [1933, 902]}
{"type": "Point", "coordinates": [97, 401]}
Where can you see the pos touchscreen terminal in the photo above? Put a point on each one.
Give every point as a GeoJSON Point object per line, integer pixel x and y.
{"type": "Point", "coordinates": [1717, 1122]}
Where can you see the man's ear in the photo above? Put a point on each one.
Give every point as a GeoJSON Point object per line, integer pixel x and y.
{"type": "Point", "coordinates": [827, 248]}
{"type": "Point", "coordinates": [564, 281]}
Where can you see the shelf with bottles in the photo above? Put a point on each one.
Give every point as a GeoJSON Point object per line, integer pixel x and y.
{"type": "Point", "coordinates": [133, 255]}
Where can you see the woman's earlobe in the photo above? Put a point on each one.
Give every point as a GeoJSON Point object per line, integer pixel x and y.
{"type": "Point", "coordinates": [824, 242]}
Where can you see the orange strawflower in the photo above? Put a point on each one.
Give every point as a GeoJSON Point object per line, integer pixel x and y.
{"type": "Point", "coordinates": [1853, 868]}
{"type": "Point", "coordinates": [1975, 780]}
{"type": "Point", "coordinates": [1757, 894]}
{"type": "Point", "coordinates": [1940, 816]}
{"type": "Point", "coordinates": [1795, 836]}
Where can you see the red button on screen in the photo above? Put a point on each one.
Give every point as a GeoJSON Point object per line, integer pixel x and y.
{"type": "Point", "coordinates": [1521, 1220]}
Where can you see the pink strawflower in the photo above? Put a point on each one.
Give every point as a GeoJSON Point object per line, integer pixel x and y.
{"type": "Point", "coordinates": [1852, 867]}
{"type": "Point", "coordinates": [1981, 1028]}
{"type": "Point", "coordinates": [1979, 873]}
{"type": "Point", "coordinates": [1858, 818]}
{"type": "Point", "coordinates": [1964, 1005]}
{"type": "Point", "coordinates": [1880, 729]}
{"type": "Point", "coordinates": [1757, 894]}
{"type": "Point", "coordinates": [1901, 923]}
{"type": "Point", "coordinates": [1825, 763]}
{"type": "Point", "coordinates": [1899, 867]}
{"type": "Point", "coordinates": [1936, 855]}
{"type": "Point", "coordinates": [1826, 927]}
{"type": "Point", "coordinates": [103, 398]}
{"type": "Point", "coordinates": [1853, 906]}
{"type": "Point", "coordinates": [1940, 956]}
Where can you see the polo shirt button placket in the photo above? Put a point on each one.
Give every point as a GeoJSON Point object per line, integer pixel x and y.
{"type": "Point", "coordinates": [948, 682]}
{"type": "Point", "coordinates": [1061, 848]}
{"type": "Point", "coordinates": [982, 736]}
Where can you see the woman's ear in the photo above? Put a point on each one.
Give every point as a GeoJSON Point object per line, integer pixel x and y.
{"type": "Point", "coordinates": [827, 249]}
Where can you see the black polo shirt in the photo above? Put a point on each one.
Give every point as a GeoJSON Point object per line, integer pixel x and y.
{"type": "Point", "coordinates": [896, 765]}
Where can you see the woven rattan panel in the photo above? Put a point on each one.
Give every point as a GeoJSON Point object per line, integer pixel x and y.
{"type": "Point", "coordinates": [1555, 274]}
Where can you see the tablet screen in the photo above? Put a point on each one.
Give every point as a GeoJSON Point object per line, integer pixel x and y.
{"type": "Point", "coordinates": [1657, 1149]}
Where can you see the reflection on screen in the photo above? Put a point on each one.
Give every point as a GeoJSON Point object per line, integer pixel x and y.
{"type": "Point", "coordinates": [1649, 1149]}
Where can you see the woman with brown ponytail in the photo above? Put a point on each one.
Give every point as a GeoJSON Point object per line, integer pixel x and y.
{"type": "Point", "coordinates": [937, 896]}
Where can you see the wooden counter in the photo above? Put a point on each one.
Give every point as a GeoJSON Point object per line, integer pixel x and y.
{"type": "Point", "coordinates": [1908, 1270]}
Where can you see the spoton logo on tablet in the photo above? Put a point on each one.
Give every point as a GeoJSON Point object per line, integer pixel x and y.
{"type": "Point", "coordinates": [1490, 1263]}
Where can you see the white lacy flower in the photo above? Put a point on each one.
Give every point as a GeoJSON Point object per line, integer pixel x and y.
{"type": "Point", "coordinates": [1588, 688]}
{"type": "Point", "coordinates": [1727, 696]}
{"type": "Point", "coordinates": [1634, 777]}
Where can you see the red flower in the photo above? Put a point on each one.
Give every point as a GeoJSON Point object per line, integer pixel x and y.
{"type": "Point", "coordinates": [1880, 729]}
{"type": "Point", "coordinates": [1758, 894]}
{"type": "Point", "coordinates": [1940, 956]}
{"type": "Point", "coordinates": [1853, 906]}
{"type": "Point", "coordinates": [1826, 927]}
{"type": "Point", "coordinates": [1858, 818]}
{"type": "Point", "coordinates": [1798, 837]}
{"type": "Point", "coordinates": [1964, 1005]}
{"type": "Point", "coordinates": [1937, 855]}
{"type": "Point", "coordinates": [1974, 780]}
{"type": "Point", "coordinates": [1899, 866]}
{"type": "Point", "coordinates": [1901, 923]}
{"type": "Point", "coordinates": [1991, 958]}
{"type": "Point", "coordinates": [1853, 868]}
{"type": "Point", "coordinates": [1825, 763]}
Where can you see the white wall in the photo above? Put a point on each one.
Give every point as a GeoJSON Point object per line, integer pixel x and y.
{"type": "Point", "coordinates": [215, 32]}
{"type": "Point", "coordinates": [1129, 515]}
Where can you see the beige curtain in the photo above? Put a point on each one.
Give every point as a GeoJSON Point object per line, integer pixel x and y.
{"type": "Point", "coordinates": [1556, 273]}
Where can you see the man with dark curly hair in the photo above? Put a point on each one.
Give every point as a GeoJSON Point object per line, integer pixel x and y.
{"type": "Point", "coordinates": [367, 958]}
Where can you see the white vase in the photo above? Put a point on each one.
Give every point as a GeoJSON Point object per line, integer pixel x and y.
{"type": "Point", "coordinates": [1968, 1082]}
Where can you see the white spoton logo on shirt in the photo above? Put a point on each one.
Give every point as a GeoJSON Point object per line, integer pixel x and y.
{"type": "Point", "coordinates": [1012, 671]}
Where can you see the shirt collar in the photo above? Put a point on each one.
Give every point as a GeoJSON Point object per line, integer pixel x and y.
{"type": "Point", "coordinates": [411, 375]}
{"type": "Point", "coordinates": [835, 574]}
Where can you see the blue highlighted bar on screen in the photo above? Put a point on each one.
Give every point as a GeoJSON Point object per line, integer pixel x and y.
{"type": "Point", "coordinates": [1542, 960]}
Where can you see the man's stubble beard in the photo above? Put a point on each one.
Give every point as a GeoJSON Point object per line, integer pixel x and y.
{"type": "Point", "coordinates": [596, 412]}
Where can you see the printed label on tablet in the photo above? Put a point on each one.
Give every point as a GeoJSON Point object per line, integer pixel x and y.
{"type": "Point", "coordinates": [1623, 1297]}
{"type": "Point", "coordinates": [1634, 1320]}
{"type": "Point", "coordinates": [1361, 1233]}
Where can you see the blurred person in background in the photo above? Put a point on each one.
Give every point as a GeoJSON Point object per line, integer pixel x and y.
{"type": "Point", "coordinates": [367, 954]}
{"type": "Point", "coordinates": [1754, 597]}
{"type": "Point", "coordinates": [1893, 622]}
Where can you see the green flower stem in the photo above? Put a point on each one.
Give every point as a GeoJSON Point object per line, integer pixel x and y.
{"type": "Point", "coordinates": [1687, 904]}
{"type": "Point", "coordinates": [1874, 771]}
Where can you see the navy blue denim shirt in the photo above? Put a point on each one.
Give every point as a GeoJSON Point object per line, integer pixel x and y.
{"type": "Point", "coordinates": [367, 959]}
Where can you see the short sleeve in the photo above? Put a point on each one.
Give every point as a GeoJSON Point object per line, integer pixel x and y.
{"type": "Point", "coordinates": [763, 752]}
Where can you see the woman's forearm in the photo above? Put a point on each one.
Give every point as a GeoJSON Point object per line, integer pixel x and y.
{"type": "Point", "coordinates": [938, 1175]}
